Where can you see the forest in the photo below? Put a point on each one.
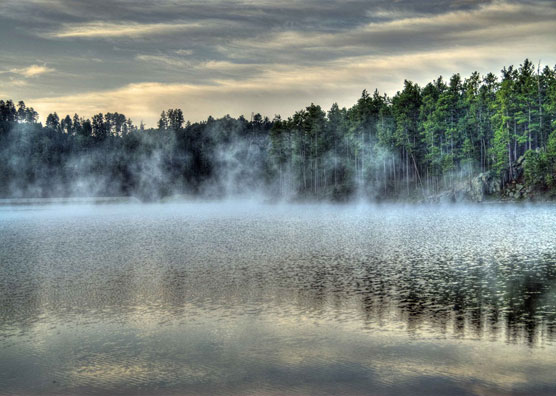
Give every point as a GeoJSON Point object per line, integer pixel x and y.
{"type": "Point", "coordinates": [417, 143]}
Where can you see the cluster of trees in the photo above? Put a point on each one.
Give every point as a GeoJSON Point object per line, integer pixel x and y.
{"type": "Point", "coordinates": [421, 141]}
{"type": "Point", "coordinates": [108, 155]}
{"type": "Point", "coordinates": [424, 139]}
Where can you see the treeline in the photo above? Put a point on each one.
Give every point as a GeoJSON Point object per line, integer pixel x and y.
{"type": "Point", "coordinates": [419, 142]}
{"type": "Point", "coordinates": [108, 155]}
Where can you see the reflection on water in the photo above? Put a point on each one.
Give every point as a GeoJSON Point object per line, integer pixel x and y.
{"type": "Point", "coordinates": [255, 299]}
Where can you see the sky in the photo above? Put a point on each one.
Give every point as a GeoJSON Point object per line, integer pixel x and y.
{"type": "Point", "coordinates": [218, 57]}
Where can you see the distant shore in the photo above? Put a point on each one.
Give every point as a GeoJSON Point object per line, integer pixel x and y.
{"type": "Point", "coordinates": [447, 197]}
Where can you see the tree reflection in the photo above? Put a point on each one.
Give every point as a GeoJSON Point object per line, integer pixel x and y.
{"type": "Point", "coordinates": [505, 298]}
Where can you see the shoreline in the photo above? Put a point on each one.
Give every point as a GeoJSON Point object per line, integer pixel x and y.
{"type": "Point", "coordinates": [489, 200]}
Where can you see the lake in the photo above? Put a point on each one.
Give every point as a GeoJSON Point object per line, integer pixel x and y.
{"type": "Point", "coordinates": [244, 298]}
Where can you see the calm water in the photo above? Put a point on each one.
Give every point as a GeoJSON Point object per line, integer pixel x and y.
{"type": "Point", "coordinates": [277, 300]}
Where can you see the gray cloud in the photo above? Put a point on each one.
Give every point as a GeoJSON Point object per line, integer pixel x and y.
{"type": "Point", "coordinates": [319, 51]}
{"type": "Point", "coordinates": [32, 71]}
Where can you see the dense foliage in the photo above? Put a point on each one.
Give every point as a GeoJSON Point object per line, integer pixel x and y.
{"type": "Point", "coordinates": [421, 141]}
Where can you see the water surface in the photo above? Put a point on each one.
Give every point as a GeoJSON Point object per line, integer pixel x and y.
{"type": "Point", "coordinates": [245, 298]}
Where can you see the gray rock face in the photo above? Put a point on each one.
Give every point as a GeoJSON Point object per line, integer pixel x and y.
{"type": "Point", "coordinates": [509, 185]}
{"type": "Point", "coordinates": [481, 186]}
{"type": "Point", "coordinates": [475, 189]}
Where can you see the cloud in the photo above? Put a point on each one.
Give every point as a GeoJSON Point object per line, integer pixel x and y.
{"type": "Point", "coordinates": [280, 89]}
{"type": "Point", "coordinates": [184, 52]}
{"type": "Point", "coordinates": [18, 83]}
{"type": "Point", "coordinates": [217, 57]}
{"type": "Point", "coordinates": [144, 101]}
{"type": "Point", "coordinates": [32, 71]}
{"type": "Point", "coordinates": [165, 60]}
{"type": "Point", "coordinates": [215, 68]}
{"type": "Point", "coordinates": [499, 22]}
{"type": "Point", "coordinates": [121, 29]}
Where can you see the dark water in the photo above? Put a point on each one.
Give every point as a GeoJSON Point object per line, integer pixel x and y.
{"type": "Point", "coordinates": [277, 300]}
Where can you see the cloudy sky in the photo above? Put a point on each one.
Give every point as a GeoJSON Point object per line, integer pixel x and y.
{"type": "Point", "coordinates": [236, 57]}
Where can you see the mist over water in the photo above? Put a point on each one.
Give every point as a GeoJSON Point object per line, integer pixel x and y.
{"type": "Point", "coordinates": [239, 297]}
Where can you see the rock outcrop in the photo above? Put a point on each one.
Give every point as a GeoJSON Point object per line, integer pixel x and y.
{"type": "Point", "coordinates": [475, 189]}
{"type": "Point", "coordinates": [509, 185]}
{"type": "Point", "coordinates": [482, 186]}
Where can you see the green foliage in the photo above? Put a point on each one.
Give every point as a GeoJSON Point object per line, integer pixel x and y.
{"type": "Point", "coordinates": [420, 141]}
{"type": "Point", "coordinates": [536, 168]}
